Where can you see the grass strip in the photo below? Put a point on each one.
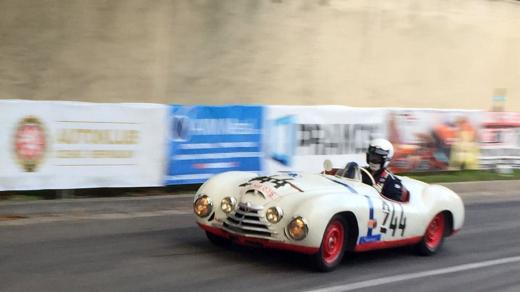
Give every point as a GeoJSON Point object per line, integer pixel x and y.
{"type": "Point", "coordinates": [462, 175]}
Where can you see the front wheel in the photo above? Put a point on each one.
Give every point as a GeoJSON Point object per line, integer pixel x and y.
{"type": "Point", "coordinates": [433, 237]}
{"type": "Point", "coordinates": [332, 245]}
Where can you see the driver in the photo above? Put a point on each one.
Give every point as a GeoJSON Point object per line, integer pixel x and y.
{"type": "Point", "coordinates": [380, 152]}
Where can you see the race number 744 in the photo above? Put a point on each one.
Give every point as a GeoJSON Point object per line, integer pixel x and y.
{"type": "Point", "coordinates": [392, 221]}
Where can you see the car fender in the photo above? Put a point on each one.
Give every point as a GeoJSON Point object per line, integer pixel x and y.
{"type": "Point", "coordinates": [314, 208]}
{"type": "Point", "coordinates": [437, 198]}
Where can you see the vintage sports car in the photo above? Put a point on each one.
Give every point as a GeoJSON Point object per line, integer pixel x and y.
{"type": "Point", "coordinates": [324, 215]}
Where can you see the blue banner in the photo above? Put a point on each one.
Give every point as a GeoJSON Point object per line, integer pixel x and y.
{"type": "Point", "coordinates": [206, 140]}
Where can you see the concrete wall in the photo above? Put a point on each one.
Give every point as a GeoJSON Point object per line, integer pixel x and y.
{"type": "Point", "coordinates": [434, 53]}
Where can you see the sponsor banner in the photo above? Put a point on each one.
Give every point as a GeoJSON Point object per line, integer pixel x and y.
{"type": "Point", "coordinates": [65, 145]}
{"type": "Point", "coordinates": [500, 140]}
{"type": "Point", "coordinates": [206, 140]}
{"type": "Point", "coordinates": [300, 138]}
{"type": "Point", "coordinates": [429, 140]}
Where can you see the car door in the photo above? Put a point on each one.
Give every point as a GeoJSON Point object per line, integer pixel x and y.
{"type": "Point", "coordinates": [389, 222]}
{"type": "Point", "coordinates": [397, 220]}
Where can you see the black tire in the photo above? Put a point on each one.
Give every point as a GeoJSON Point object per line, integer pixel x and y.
{"type": "Point", "coordinates": [433, 237]}
{"type": "Point", "coordinates": [329, 257]}
{"type": "Point", "coordinates": [217, 240]}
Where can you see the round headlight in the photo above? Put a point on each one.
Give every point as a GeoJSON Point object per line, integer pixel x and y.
{"type": "Point", "coordinates": [297, 228]}
{"type": "Point", "coordinates": [228, 204]}
{"type": "Point", "coordinates": [203, 206]}
{"type": "Point", "coordinates": [274, 214]}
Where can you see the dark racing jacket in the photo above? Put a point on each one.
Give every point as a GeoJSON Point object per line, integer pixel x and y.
{"type": "Point", "coordinates": [389, 185]}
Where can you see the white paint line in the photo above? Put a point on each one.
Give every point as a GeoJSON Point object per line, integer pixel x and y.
{"type": "Point", "coordinates": [405, 277]}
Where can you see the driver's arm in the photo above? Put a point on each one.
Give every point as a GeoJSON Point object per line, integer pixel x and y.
{"type": "Point", "coordinates": [394, 189]}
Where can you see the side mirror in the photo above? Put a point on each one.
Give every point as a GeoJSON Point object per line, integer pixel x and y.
{"type": "Point", "coordinates": [327, 165]}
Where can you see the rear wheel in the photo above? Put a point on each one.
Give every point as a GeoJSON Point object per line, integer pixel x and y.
{"type": "Point", "coordinates": [217, 240]}
{"type": "Point", "coordinates": [332, 245]}
{"type": "Point", "coordinates": [434, 236]}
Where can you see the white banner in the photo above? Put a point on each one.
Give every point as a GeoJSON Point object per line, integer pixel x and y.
{"type": "Point", "coordinates": [500, 140]}
{"type": "Point", "coordinates": [300, 138]}
{"type": "Point", "coordinates": [65, 145]}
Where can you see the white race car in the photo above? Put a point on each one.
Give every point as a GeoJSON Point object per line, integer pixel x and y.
{"type": "Point", "coordinates": [324, 215]}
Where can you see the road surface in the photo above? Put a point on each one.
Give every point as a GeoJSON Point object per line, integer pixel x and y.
{"type": "Point", "coordinates": [166, 251]}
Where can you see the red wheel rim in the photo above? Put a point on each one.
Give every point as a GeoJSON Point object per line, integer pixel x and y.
{"type": "Point", "coordinates": [435, 232]}
{"type": "Point", "coordinates": [333, 241]}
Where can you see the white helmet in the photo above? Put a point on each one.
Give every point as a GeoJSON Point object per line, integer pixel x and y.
{"type": "Point", "coordinates": [380, 152]}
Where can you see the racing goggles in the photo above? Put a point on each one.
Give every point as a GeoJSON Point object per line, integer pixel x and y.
{"type": "Point", "coordinates": [376, 155]}
{"type": "Point", "coordinates": [375, 158]}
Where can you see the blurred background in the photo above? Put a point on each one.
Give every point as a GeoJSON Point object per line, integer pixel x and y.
{"type": "Point", "coordinates": [443, 54]}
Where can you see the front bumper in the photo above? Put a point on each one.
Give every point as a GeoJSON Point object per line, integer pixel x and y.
{"type": "Point", "coordinates": [251, 241]}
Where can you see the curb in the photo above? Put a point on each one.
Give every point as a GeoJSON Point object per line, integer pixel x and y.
{"type": "Point", "coordinates": [96, 205]}
{"type": "Point", "coordinates": [492, 186]}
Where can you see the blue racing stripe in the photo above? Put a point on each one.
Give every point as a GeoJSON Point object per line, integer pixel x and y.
{"type": "Point", "coordinates": [371, 207]}
{"type": "Point", "coordinates": [351, 189]}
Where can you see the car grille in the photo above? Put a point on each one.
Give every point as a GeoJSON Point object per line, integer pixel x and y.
{"type": "Point", "coordinates": [247, 220]}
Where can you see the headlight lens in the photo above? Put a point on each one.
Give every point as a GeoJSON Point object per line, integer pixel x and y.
{"type": "Point", "coordinates": [203, 206]}
{"type": "Point", "coordinates": [274, 214]}
{"type": "Point", "coordinates": [297, 228]}
{"type": "Point", "coordinates": [228, 204]}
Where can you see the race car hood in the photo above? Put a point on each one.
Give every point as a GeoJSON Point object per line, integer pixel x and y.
{"type": "Point", "coordinates": [263, 189]}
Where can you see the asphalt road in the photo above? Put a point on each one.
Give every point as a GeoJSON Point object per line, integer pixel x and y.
{"type": "Point", "coordinates": [168, 252]}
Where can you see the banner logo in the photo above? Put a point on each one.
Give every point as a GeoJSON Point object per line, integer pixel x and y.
{"type": "Point", "coordinates": [30, 143]}
{"type": "Point", "coordinates": [206, 140]}
{"type": "Point", "coordinates": [288, 139]}
{"type": "Point", "coordinates": [180, 128]}
{"type": "Point", "coordinates": [283, 140]}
